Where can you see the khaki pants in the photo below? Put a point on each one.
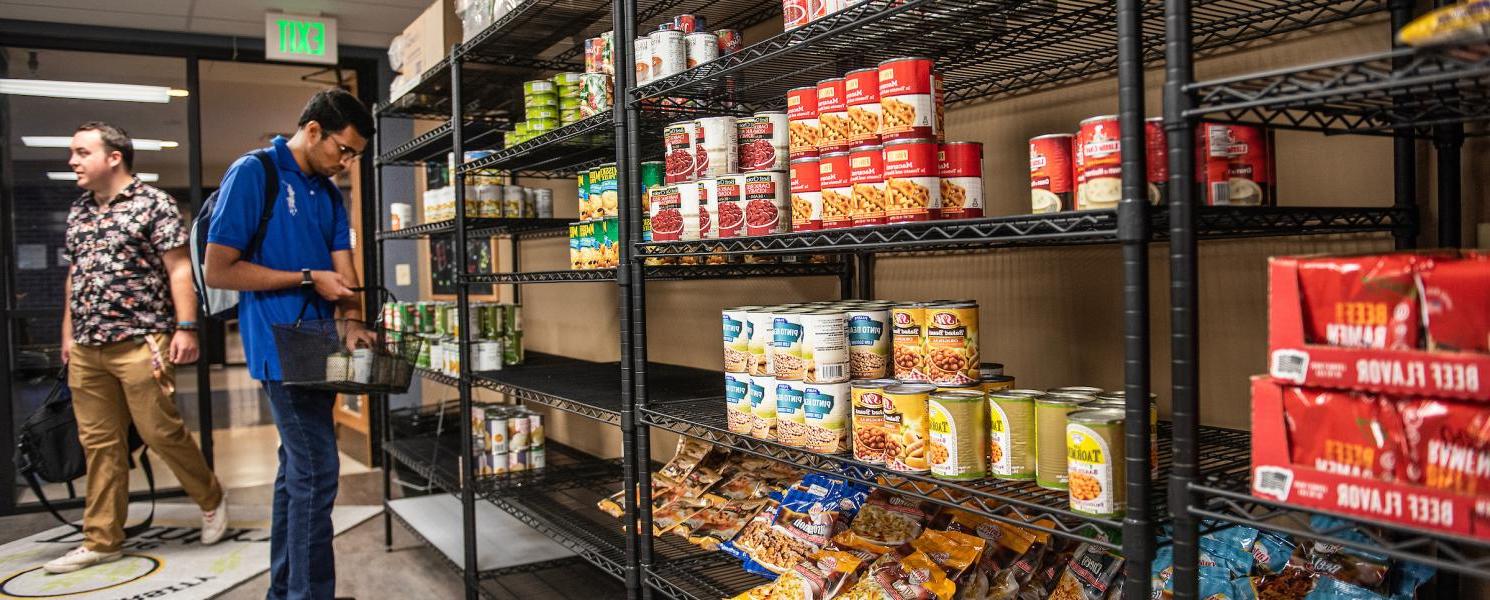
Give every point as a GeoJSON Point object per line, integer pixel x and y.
{"type": "Point", "coordinates": [113, 385]}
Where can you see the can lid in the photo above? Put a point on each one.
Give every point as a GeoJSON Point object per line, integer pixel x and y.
{"type": "Point", "coordinates": [978, 144]}
{"type": "Point", "coordinates": [958, 396]}
{"type": "Point", "coordinates": [863, 70]}
{"type": "Point", "coordinates": [1053, 136]}
{"type": "Point", "coordinates": [910, 141]}
{"type": "Point", "coordinates": [903, 59]}
{"type": "Point", "coordinates": [1077, 389]}
{"type": "Point", "coordinates": [770, 112]}
{"type": "Point", "coordinates": [867, 148]}
{"type": "Point", "coordinates": [832, 154]}
{"type": "Point", "coordinates": [830, 80]}
{"type": "Point", "coordinates": [910, 388]}
{"type": "Point", "coordinates": [1016, 394]}
{"type": "Point", "coordinates": [1103, 416]}
{"type": "Point", "coordinates": [996, 378]}
{"type": "Point", "coordinates": [1062, 399]}
{"type": "Point", "coordinates": [766, 172]}
{"type": "Point", "coordinates": [955, 386]}
{"type": "Point", "coordinates": [801, 159]}
{"type": "Point", "coordinates": [1099, 118]}
{"type": "Point", "coordinates": [872, 383]}
{"type": "Point", "coordinates": [1122, 395]}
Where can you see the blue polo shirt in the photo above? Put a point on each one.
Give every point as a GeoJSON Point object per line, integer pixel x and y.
{"type": "Point", "coordinates": [309, 223]}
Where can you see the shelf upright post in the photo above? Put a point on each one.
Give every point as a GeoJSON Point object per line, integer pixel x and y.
{"type": "Point", "coordinates": [1404, 147]}
{"type": "Point", "coordinates": [864, 270]}
{"type": "Point", "coordinates": [1133, 233]}
{"type": "Point", "coordinates": [622, 12]}
{"type": "Point", "coordinates": [379, 404]}
{"type": "Point", "coordinates": [1179, 130]}
{"type": "Point", "coordinates": [463, 308]}
{"type": "Point", "coordinates": [1448, 145]}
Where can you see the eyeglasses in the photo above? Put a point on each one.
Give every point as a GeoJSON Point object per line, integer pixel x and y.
{"type": "Point", "coordinates": [347, 153]}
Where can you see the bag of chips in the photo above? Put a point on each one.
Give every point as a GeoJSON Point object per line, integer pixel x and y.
{"type": "Point", "coordinates": [1089, 576]}
{"type": "Point", "coordinates": [909, 577]}
{"type": "Point", "coordinates": [855, 544]}
{"type": "Point", "coordinates": [890, 519]}
{"type": "Point", "coordinates": [955, 552]}
{"type": "Point", "coordinates": [809, 515]}
{"type": "Point", "coordinates": [677, 511]}
{"type": "Point", "coordinates": [715, 525]}
{"type": "Point", "coordinates": [1271, 551]}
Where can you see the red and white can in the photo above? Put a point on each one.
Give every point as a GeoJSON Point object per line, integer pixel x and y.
{"type": "Point", "coordinates": [861, 90]}
{"type": "Point", "coordinates": [701, 47]}
{"type": "Point", "coordinates": [688, 23]}
{"type": "Point", "coordinates": [834, 180]}
{"type": "Point", "coordinates": [1235, 164]}
{"type": "Point", "coordinates": [667, 211]}
{"type": "Point", "coordinates": [642, 51]}
{"type": "Point", "coordinates": [730, 41]}
{"type": "Point", "coordinates": [817, 9]}
{"type": "Point", "coordinates": [729, 203]}
{"type": "Point", "coordinates": [708, 198]}
{"type": "Point", "coordinates": [794, 14]}
{"type": "Point", "coordinates": [1099, 163]}
{"type": "Point", "coordinates": [688, 194]}
{"type": "Point", "coordinates": [961, 168]}
{"type": "Point", "coordinates": [907, 99]}
{"type": "Point", "coordinates": [867, 175]}
{"type": "Point", "coordinates": [912, 181]}
{"type": "Point", "coordinates": [832, 116]}
{"type": "Point", "coordinates": [1158, 161]}
{"type": "Point", "coordinates": [715, 146]}
{"type": "Point", "coordinates": [766, 208]}
{"type": "Point", "coordinates": [807, 196]}
{"type": "Point", "coordinates": [801, 113]}
{"type": "Point", "coordinates": [669, 53]}
{"type": "Point", "coordinates": [764, 141]}
{"type": "Point", "coordinates": [1052, 180]}
{"type": "Point", "coordinates": [678, 151]}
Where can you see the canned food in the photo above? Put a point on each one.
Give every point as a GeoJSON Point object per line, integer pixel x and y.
{"type": "Point", "coordinates": [961, 166]}
{"type": "Point", "coordinates": [832, 116]}
{"type": "Point", "coordinates": [836, 190]}
{"type": "Point", "coordinates": [1236, 166]}
{"type": "Point", "coordinates": [870, 437]}
{"type": "Point", "coordinates": [939, 97]}
{"type": "Point", "coordinates": [791, 424]}
{"type": "Point", "coordinates": [669, 53]}
{"type": "Point", "coordinates": [951, 347]}
{"type": "Point", "coordinates": [764, 141]}
{"type": "Point", "coordinates": [758, 323]}
{"type": "Point", "coordinates": [519, 432]}
{"type": "Point", "coordinates": [908, 339]}
{"type": "Point", "coordinates": [738, 411]}
{"type": "Point", "coordinates": [539, 114]}
{"type": "Point", "coordinates": [537, 458]}
{"type": "Point", "coordinates": [517, 459]}
{"type": "Point", "coordinates": [766, 207]}
{"type": "Point", "coordinates": [679, 153]}
{"type": "Point", "coordinates": [486, 356]}
{"type": "Point", "coordinates": [1099, 163]}
{"type": "Point", "coordinates": [701, 47]}
{"type": "Point", "coordinates": [1011, 432]}
{"type": "Point", "coordinates": [642, 54]}
{"type": "Point", "coordinates": [708, 227]}
{"type": "Point", "coordinates": [689, 23]}
{"type": "Point", "coordinates": [912, 182]}
{"type": "Point", "coordinates": [987, 369]}
{"type": "Point", "coordinates": [596, 93]}
{"type": "Point", "coordinates": [651, 175]}
{"type": "Point", "coordinates": [543, 203]}
{"type": "Point", "coordinates": [1083, 390]}
{"type": "Point", "coordinates": [785, 354]}
{"type": "Point", "coordinates": [586, 210]}
{"type": "Point", "coordinates": [867, 176]}
{"type": "Point", "coordinates": [729, 205]}
{"type": "Point", "coordinates": [1158, 160]}
{"type": "Point", "coordinates": [1050, 438]}
{"type": "Point", "coordinates": [715, 146]}
{"type": "Point", "coordinates": [730, 41]}
{"type": "Point", "coordinates": [763, 407]}
{"type": "Point", "coordinates": [598, 54]}
{"type": "Point", "coordinates": [1118, 399]}
{"type": "Point", "coordinates": [603, 180]}
{"type": "Point", "coordinates": [544, 99]}
{"type": "Point", "coordinates": [826, 408]}
{"type": "Point", "coordinates": [567, 80]}
{"type": "Point", "coordinates": [907, 427]}
{"type": "Point", "coordinates": [802, 120]}
{"type": "Point", "coordinates": [868, 342]}
{"type": "Point", "coordinates": [496, 429]}
{"type": "Point", "coordinates": [794, 14]}
{"type": "Point", "coordinates": [1051, 173]}
{"type": "Point", "coordinates": [959, 435]}
{"type": "Point", "coordinates": [535, 431]}
{"type": "Point", "coordinates": [991, 383]}
{"type": "Point", "coordinates": [1094, 452]}
{"type": "Point", "coordinates": [862, 95]}
{"type": "Point", "coordinates": [736, 339]}
{"type": "Point", "coordinates": [825, 355]}
{"type": "Point", "coordinates": [693, 224]}
{"type": "Point", "coordinates": [667, 212]}
{"type": "Point", "coordinates": [958, 387]}
{"type": "Point", "coordinates": [807, 199]}
{"type": "Point", "coordinates": [907, 99]}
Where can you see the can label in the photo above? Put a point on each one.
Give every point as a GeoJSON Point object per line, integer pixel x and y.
{"type": "Point", "coordinates": [869, 425]}
{"type": "Point", "coordinates": [736, 342]}
{"type": "Point", "coordinates": [906, 422]}
{"type": "Point", "coordinates": [669, 53]}
{"type": "Point", "coordinates": [1099, 164]}
{"type": "Point", "coordinates": [867, 176]}
{"type": "Point", "coordinates": [1011, 424]}
{"type": "Point", "coordinates": [730, 41]}
{"type": "Point", "coordinates": [1092, 474]}
{"type": "Point", "coordinates": [758, 331]}
{"type": "Point", "coordinates": [1237, 165]}
{"type": "Point", "coordinates": [961, 167]}
{"type": "Point", "coordinates": [912, 182]}
{"type": "Point", "coordinates": [802, 117]}
{"type": "Point", "coordinates": [868, 343]}
{"type": "Point", "coordinates": [1051, 174]}
{"type": "Point", "coordinates": [794, 14]}
{"type": "Point", "coordinates": [652, 175]}
{"type": "Point", "coordinates": [785, 358]}
{"type": "Point", "coordinates": [832, 116]}
{"type": "Point", "coordinates": [737, 401]}
{"type": "Point", "coordinates": [957, 443]}
{"type": "Point", "coordinates": [791, 424]}
{"type": "Point", "coordinates": [667, 213]}
{"type": "Point", "coordinates": [766, 207]}
{"type": "Point", "coordinates": [604, 196]}
{"type": "Point", "coordinates": [716, 148]}
{"type": "Point", "coordinates": [764, 142]}
{"type": "Point", "coordinates": [763, 407]}
{"type": "Point", "coordinates": [1158, 161]}
{"type": "Point", "coordinates": [837, 190]}
{"type": "Point", "coordinates": [862, 96]}
{"type": "Point", "coordinates": [708, 227]}
{"type": "Point", "coordinates": [826, 409]}
{"type": "Point", "coordinates": [729, 205]}
{"type": "Point", "coordinates": [825, 354]}
{"type": "Point", "coordinates": [643, 60]}
{"type": "Point", "coordinates": [907, 338]}
{"type": "Point", "coordinates": [907, 99]}
{"type": "Point", "coordinates": [807, 198]}
{"type": "Point", "coordinates": [952, 344]}
{"type": "Point", "coordinates": [701, 47]}
{"type": "Point", "coordinates": [678, 151]}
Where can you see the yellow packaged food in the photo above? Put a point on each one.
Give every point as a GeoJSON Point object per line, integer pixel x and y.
{"type": "Point", "coordinates": [893, 577]}
{"type": "Point", "coordinates": [855, 544]}
{"type": "Point", "coordinates": [954, 552]}
{"type": "Point", "coordinates": [1462, 22]}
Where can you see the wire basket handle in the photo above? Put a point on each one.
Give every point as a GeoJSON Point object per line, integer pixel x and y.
{"type": "Point", "coordinates": [386, 293]}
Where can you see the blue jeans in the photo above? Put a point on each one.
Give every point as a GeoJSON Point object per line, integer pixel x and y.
{"type": "Point", "coordinates": [301, 562]}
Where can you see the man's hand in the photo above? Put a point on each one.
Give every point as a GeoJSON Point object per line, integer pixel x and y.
{"type": "Point", "coordinates": [66, 349]}
{"type": "Point", "coordinates": [184, 347]}
{"type": "Point", "coordinates": [359, 336]}
{"type": "Point", "coordinates": [331, 285]}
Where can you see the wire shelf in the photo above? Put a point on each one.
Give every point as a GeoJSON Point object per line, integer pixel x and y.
{"type": "Point", "coordinates": [708, 577]}
{"type": "Point", "coordinates": [480, 228]}
{"type": "Point", "coordinates": [435, 144]}
{"type": "Point", "coordinates": [591, 389]}
{"type": "Point", "coordinates": [669, 273]}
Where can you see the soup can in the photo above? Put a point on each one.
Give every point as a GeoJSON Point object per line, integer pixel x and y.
{"type": "Point", "coordinates": [832, 116]}
{"type": "Point", "coordinates": [1099, 163]}
{"type": "Point", "coordinates": [836, 190]}
{"type": "Point", "coordinates": [807, 197]}
{"type": "Point", "coordinates": [766, 208]}
{"type": "Point", "coordinates": [912, 181]}
{"type": "Point", "coordinates": [1050, 438]}
{"type": "Point", "coordinates": [701, 47]}
{"type": "Point", "coordinates": [729, 205]}
{"type": "Point", "coordinates": [763, 407]}
{"type": "Point", "coordinates": [1158, 160]}
{"type": "Point", "coordinates": [1235, 164]}
{"type": "Point", "coordinates": [867, 176]}
{"type": "Point", "coordinates": [907, 99]}
{"type": "Point", "coordinates": [1051, 173]}
{"type": "Point", "coordinates": [791, 423]}
{"type": "Point", "coordinates": [687, 23]}
{"type": "Point", "coordinates": [1011, 434]}
{"type": "Point", "coordinates": [870, 436]}
{"type": "Point", "coordinates": [961, 167]}
{"type": "Point", "coordinates": [802, 120]}
{"type": "Point", "coordinates": [862, 96]}
{"type": "Point", "coordinates": [716, 147]}
{"type": "Point", "coordinates": [643, 60]}
{"type": "Point", "coordinates": [908, 428]}
{"type": "Point", "coordinates": [764, 141]}
{"type": "Point", "coordinates": [958, 447]}
{"type": "Point", "coordinates": [1095, 458]}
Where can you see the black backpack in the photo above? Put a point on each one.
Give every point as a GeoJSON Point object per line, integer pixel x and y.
{"type": "Point", "coordinates": [49, 450]}
{"type": "Point", "coordinates": [217, 303]}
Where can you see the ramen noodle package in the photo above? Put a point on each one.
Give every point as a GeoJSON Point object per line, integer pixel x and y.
{"type": "Point", "coordinates": [1456, 302]}
{"type": "Point", "coordinates": [1360, 302]}
{"type": "Point", "coordinates": [1346, 433]}
{"type": "Point", "coordinates": [1448, 445]}
{"type": "Point", "coordinates": [889, 519]}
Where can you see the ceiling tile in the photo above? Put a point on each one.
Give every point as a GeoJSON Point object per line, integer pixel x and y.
{"type": "Point", "coordinates": [176, 8]}
{"type": "Point", "coordinates": [95, 16]}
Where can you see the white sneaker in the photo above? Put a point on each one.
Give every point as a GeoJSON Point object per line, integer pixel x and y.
{"type": "Point", "coordinates": [215, 522]}
{"type": "Point", "coordinates": [80, 558]}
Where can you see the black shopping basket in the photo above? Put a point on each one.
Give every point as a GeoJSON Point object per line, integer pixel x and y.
{"type": "Point", "coordinates": [314, 354]}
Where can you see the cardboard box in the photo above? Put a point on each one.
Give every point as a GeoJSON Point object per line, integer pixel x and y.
{"type": "Point", "coordinates": [1461, 375]}
{"type": "Point", "coordinates": [428, 39]}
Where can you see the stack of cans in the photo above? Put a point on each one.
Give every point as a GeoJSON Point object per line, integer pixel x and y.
{"type": "Point", "coordinates": [508, 439]}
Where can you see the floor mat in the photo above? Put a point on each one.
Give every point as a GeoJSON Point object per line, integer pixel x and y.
{"type": "Point", "coordinates": [164, 562]}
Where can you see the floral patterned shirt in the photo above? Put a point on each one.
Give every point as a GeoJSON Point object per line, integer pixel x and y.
{"type": "Point", "coordinates": [120, 288]}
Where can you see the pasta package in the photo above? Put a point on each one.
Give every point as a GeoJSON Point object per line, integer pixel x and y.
{"type": "Point", "coordinates": [1462, 22]}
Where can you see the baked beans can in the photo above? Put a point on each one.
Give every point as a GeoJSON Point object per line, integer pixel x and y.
{"type": "Point", "coordinates": [832, 116]}
{"type": "Point", "coordinates": [1095, 460]}
{"type": "Point", "coordinates": [868, 342]}
{"type": "Point", "coordinates": [825, 354]}
{"type": "Point", "coordinates": [907, 427]}
{"type": "Point", "coordinates": [708, 223]}
{"type": "Point", "coordinates": [730, 41]}
{"type": "Point", "coordinates": [867, 176]}
{"type": "Point", "coordinates": [807, 196]}
{"type": "Point", "coordinates": [679, 153]}
{"type": "Point", "coordinates": [827, 409]}
{"type": "Point", "coordinates": [1235, 164]}
{"type": "Point", "coordinates": [758, 323]}
{"type": "Point", "coordinates": [669, 53]}
{"type": "Point", "coordinates": [802, 120]}
{"type": "Point", "coordinates": [869, 419]}
{"type": "Point", "coordinates": [837, 190]}
{"type": "Point", "coordinates": [651, 175]}
{"type": "Point", "coordinates": [1011, 435]}
{"type": "Point", "coordinates": [1099, 163]}
{"type": "Point", "coordinates": [952, 343]}
{"type": "Point", "coordinates": [912, 181]}
{"type": "Point", "coordinates": [667, 212]}
{"type": "Point", "coordinates": [643, 59]}
{"type": "Point", "coordinates": [737, 403]}
{"type": "Point", "coordinates": [993, 383]}
{"type": "Point", "coordinates": [907, 99]}
{"type": "Point", "coordinates": [1157, 147]}
{"type": "Point", "coordinates": [764, 141]}
{"type": "Point", "coordinates": [689, 23]}
{"type": "Point", "coordinates": [762, 396]}
{"type": "Point", "coordinates": [794, 14]}
{"type": "Point", "coordinates": [1051, 175]}
{"type": "Point", "coordinates": [791, 423]}
{"type": "Point", "coordinates": [715, 147]}
{"type": "Point", "coordinates": [1050, 438]}
{"type": "Point", "coordinates": [961, 166]}
{"type": "Point", "coordinates": [908, 341]}
{"type": "Point", "coordinates": [861, 90]}
{"type": "Point", "coordinates": [729, 205]}
{"type": "Point", "coordinates": [767, 210]}
{"type": "Point", "coordinates": [785, 354]}
{"type": "Point", "coordinates": [958, 445]}
{"type": "Point", "coordinates": [701, 47]}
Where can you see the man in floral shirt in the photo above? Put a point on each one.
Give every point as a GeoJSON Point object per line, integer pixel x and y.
{"type": "Point", "coordinates": [130, 319]}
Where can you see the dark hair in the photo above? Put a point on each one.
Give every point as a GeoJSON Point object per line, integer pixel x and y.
{"type": "Point", "coordinates": [335, 109]}
{"type": "Point", "coordinates": [114, 140]}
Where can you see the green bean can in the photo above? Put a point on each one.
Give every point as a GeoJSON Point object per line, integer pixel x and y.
{"type": "Point", "coordinates": [1011, 434]}
{"type": "Point", "coordinates": [652, 174]}
{"type": "Point", "coordinates": [512, 348]}
{"type": "Point", "coordinates": [959, 435]}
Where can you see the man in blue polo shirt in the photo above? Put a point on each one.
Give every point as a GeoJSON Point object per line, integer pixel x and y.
{"type": "Point", "coordinates": [305, 255]}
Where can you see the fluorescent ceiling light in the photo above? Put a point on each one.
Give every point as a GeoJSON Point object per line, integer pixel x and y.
{"type": "Point", "coordinates": [71, 176]}
{"type": "Point", "coordinates": [85, 90]}
{"type": "Point", "coordinates": [57, 141]}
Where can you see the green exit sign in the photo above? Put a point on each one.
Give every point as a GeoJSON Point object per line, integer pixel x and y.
{"type": "Point", "coordinates": [300, 38]}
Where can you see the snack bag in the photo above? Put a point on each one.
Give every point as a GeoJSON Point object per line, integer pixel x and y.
{"type": "Point", "coordinates": [910, 577]}
{"type": "Point", "coordinates": [678, 510]}
{"type": "Point", "coordinates": [1271, 551]}
{"type": "Point", "coordinates": [1461, 22]}
{"type": "Point", "coordinates": [715, 525]}
{"type": "Point", "coordinates": [1090, 575]}
{"type": "Point", "coordinates": [954, 552]}
{"type": "Point", "coordinates": [1448, 445]}
{"type": "Point", "coordinates": [889, 519]}
{"type": "Point", "coordinates": [1456, 298]}
{"type": "Point", "coordinates": [1360, 301]}
{"type": "Point", "coordinates": [855, 544]}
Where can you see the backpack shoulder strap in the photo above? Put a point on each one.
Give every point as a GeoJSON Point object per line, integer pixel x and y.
{"type": "Point", "coordinates": [42, 497]}
{"type": "Point", "coordinates": [138, 528]}
{"type": "Point", "coordinates": [271, 193]}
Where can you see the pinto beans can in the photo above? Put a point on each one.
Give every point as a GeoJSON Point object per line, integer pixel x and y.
{"type": "Point", "coordinates": [836, 189]}
{"type": "Point", "coordinates": [908, 341]}
{"type": "Point", "coordinates": [867, 176]}
{"type": "Point", "coordinates": [762, 397]}
{"type": "Point", "coordinates": [907, 99]}
{"type": "Point", "coordinates": [802, 117]}
{"type": "Point", "coordinates": [763, 141]}
{"type": "Point", "coordinates": [729, 205]}
{"type": "Point", "coordinates": [785, 354]}
{"type": "Point", "coordinates": [758, 323]}
{"type": "Point", "coordinates": [737, 403]}
{"type": "Point", "coordinates": [861, 89]}
{"type": "Point", "coordinates": [667, 213]}
{"type": "Point", "coordinates": [736, 338]}
{"type": "Point", "coordinates": [1236, 164]}
{"type": "Point", "coordinates": [1099, 163]}
{"type": "Point", "coordinates": [678, 141]}
{"type": "Point", "coordinates": [952, 343]}
{"type": "Point", "coordinates": [868, 342]}
{"type": "Point", "coordinates": [807, 196]}
{"type": "Point", "coordinates": [791, 423]}
{"type": "Point", "coordinates": [832, 116]}
{"type": "Point", "coordinates": [1051, 175]}
{"type": "Point", "coordinates": [716, 146]}
{"type": "Point", "coordinates": [766, 208]}
{"type": "Point", "coordinates": [961, 167]}
{"type": "Point", "coordinates": [912, 182]}
{"type": "Point", "coordinates": [826, 409]}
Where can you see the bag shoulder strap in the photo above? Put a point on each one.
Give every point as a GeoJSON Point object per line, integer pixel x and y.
{"type": "Point", "coordinates": [271, 193]}
{"type": "Point", "coordinates": [129, 532]}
